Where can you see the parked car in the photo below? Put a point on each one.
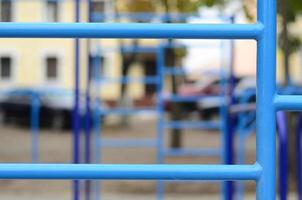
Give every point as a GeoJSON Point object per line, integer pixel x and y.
{"type": "Point", "coordinates": [56, 107]}
{"type": "Point", "coordinates": [208, 86]}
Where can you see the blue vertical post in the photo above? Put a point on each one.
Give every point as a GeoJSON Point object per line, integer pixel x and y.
{"type": "Point", "coordinates": [226, 132]}
{"type": "Point", "coordinates": [160, 119]}
{"type": "Point", "coordinates": [282, 130]}
{"type": "Point", "coordinates": [76, 109]}
{"type": "Point", "coordinates": [299, 156]}
{"type": "Point", "coordinates": [88, 111]}
{"type": "Point", "coordinates": [34, 121]}
{"type": "Point", "coordinates": [266, 91]}
{"type": "Point", "coordinates": [97, 120]}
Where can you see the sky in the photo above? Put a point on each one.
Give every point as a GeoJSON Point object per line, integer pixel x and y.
{"type": "Point", "coordinates": [207, 56]}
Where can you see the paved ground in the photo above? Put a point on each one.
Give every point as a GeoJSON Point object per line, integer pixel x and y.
{"type": "Point", "coordinates": [56, 148]}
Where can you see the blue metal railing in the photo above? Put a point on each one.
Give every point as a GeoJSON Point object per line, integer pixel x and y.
{"type": "Point", "coordinates": [187, 124]}
{"type": "Point", "coordinates": [268, 102]}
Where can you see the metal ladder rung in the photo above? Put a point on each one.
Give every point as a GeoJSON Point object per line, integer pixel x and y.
{"type": "Point", "coordinates": [130, 172]}
{"type": "Point", "coordinates": [126, 111]}
{"type": "Point", "coordinates": [128, 143]}
{"type": "Point", "coordinates": [192, 152]}
{"type": "Point", "coordinates": [192, 125]}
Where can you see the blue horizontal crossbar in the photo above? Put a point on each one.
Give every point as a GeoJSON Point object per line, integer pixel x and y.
{"type": "Point", "coordinates": [126, 80]}
{"type": "Point", "coordinates": [288, 102]}
{"type": "Point", "coordinates": [126, 111]}
{"type": "Point", "coordinates": [130, 30]}
{"type": "Point", "coordinates": [191, 46]}
{"type": "Point", "coordinates": [246, 107]}
{"type": "Point", "coordinates": [174, 70]}
{"type": "Point", "coordinates": [192, 152]}
{"type": "Point", "coordinates": [176, 98]}
{"type": "Point", "coordinates": [138, 49]}
{"type": "Point", "coordinates": [128, 143]}
{"type": "Point", "coordinates": [130, 172]}
{"type": "Point", "coordinates": [193, 125]}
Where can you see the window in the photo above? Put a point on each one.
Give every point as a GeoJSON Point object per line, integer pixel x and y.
{"type": "Point", "coordinates": [6, 10]}
{"type": "Point", "coordinates": [5, 68]}
{"type": "Point", "coordinates": [51, 68]}
{"type": "Point", "coordinates": [97, 10]}
{"type": "Point", "coordinates": [52, 11]}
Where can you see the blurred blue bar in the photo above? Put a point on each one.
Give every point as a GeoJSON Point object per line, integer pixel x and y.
{"type": "Point", "coordinates": [130, 30]}
{"type": "Point", "coordinates": [176, 98]}
{"type": "Point", "coordinates": [137, 49]}
{"type": "Point", "coordinates": [126, 80]}
{"type": "Point", "coordinates": [175, 70]}
{"type": "Point", "coordinates": [192, 152]}
{"type": "Point", "coordinates": [128, 143]}
{"type": "Point", "coordinates": [127, 111]}
{"type": "Point", "coordinates": [130, 172]}
{"type": "Point", "coordinates": [193, 125]}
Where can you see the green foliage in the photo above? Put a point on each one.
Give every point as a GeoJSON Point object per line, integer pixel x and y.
{"type": "Point", "coordinates": [180, 5]}
{"type": "Point", "coordinates": [136, 5]}
{"type": "Point", "coordinates": [294, 8]}
{"type": "Point", "coordinates": [294, 43]}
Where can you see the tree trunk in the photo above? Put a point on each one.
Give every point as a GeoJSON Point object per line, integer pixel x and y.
{"type": "Point", "coordinates": [176, 109]}
{"type": "Point", "coordinates": [291, 150]}
{"type": "Point", "coordinates": [285, 47]}
{"type": "Point", "coordinates": [292, 117]}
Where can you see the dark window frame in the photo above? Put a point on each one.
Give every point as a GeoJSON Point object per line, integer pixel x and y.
{"type": "Point", "coordinates": [51, 74]}
{"type": "Point", "coordinates": [6, 15]}
{"type": "Point", "coordinates": [56, 14]}
{"type": "Point", "coordinates": [8, 74]}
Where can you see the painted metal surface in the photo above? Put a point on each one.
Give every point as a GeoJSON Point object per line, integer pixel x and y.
{"type": "Point", "coordinates": [263, 172]}
{"type": "Point", "coordinates": [282, 130]}
{"type": "Point", "coordinates": [265, 110]}
{"type": "Point", "coordinates": [298, 156]}
{"type": "Point", "coordinates": [130, 30]}
{"type": "Point", "coordinates": [76, 109]}
{"type": "Point", "coordinates": [130, 172]}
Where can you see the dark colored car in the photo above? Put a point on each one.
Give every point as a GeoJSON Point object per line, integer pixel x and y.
{"type": "Point", "coordinates": [55, 108]}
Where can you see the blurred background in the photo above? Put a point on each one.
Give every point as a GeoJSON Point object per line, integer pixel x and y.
{"type": "Point", "coordinates": [138, 100]}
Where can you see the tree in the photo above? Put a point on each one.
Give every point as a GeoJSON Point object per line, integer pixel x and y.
{"type": "Point", "coordinates": [168, 6]}
{"type": "Point", "coordinates": [289, 44]}
{"type": "Point", "coordinates": [182, 6]}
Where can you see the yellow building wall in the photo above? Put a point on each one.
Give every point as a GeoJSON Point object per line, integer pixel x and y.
{"type": "Point", "coordinates": [28, 54]}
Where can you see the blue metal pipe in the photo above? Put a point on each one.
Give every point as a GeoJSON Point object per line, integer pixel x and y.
{"type": "Point", "coordinates": [192, 125]}
{"type": "Point", "coordinates": [282, 130]}
{"type": "Point", "coordinates": [88, 111]}
{"type": "Point", "coordinates": [299, 156]}
{"type": "Point", "coordinates": [128, 143]}
{"type": "Point", "coordinates": [160, 158]}
{"type": "Point", "coordinates": [127, 80]}
{"type": "Point", "coordinates": [177, 98]}
{"type": "Point", "coordinates": [126, 111]}
{"type": "Point", "coordinates": [266, 91]}
{"type": "Point", "coordinates": [130, 30]}
{"type": "Point", "coordinates": [76, 109]}
{"type": "Point", "coordinates": [288, 102]}
{"type": "Point", "coordinates": [130, 172]}
{"type": "Point", "coordinates": [192, 152]}
{"type": "Point", "coordinates": [97, 121]}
